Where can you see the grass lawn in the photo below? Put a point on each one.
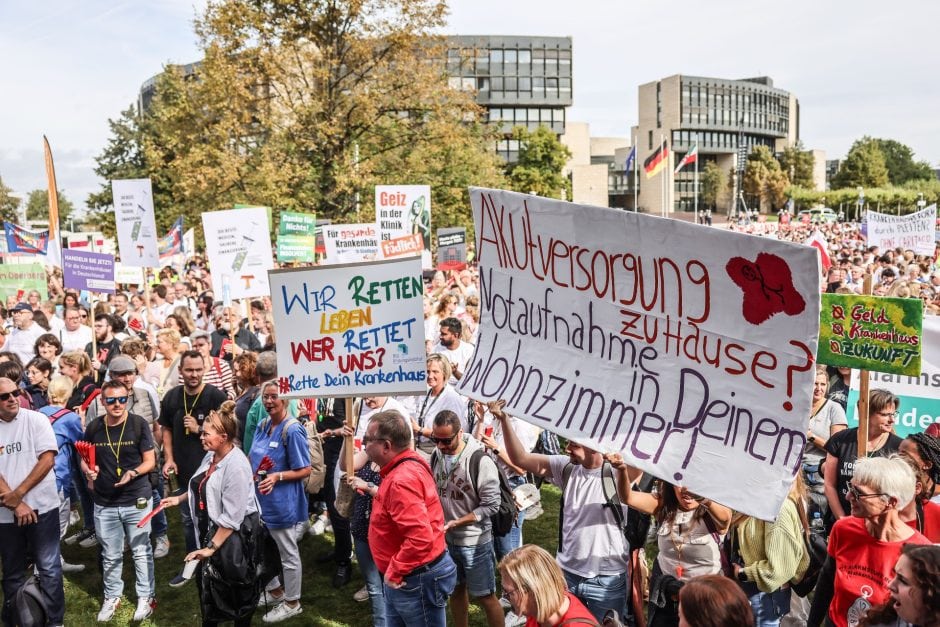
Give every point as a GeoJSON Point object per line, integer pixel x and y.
{"type": "Point", "coordinates": [323, 605]}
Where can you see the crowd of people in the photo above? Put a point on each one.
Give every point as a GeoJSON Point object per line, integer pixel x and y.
{"type": "Point", "coordinates": [113, 413]}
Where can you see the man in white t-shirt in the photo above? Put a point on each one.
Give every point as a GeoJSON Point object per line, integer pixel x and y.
{"type": "Point", "coordinates": [592, 553]}
{"type": "Point", "coordinates": [75, 335]}
{"type": "Point", "coordinates": [22, 340]}
{"type": "Point", "coordinates": [29, 516]}
{"type": "Point", "coordinates": [455, 350]}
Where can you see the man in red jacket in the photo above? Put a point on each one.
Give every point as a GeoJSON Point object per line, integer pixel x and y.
{"type": "Point", "coordinates": [406, 530]}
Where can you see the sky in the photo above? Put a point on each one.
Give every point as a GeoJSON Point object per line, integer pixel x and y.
{"type": "Point", "coordinates": [859, 68]}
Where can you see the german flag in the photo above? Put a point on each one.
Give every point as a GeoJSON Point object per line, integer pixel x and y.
{"type": "Point", "coordinates": [655, 162]}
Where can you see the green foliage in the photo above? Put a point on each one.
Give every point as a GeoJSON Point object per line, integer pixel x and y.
{"type": "Point", "coordinates": [899, 159]}
{"type": "Point", "coordinates": [764, 180]}
{"type": "Point", "coordinates": [712, 181]}
{"type": "Point", "coordinates": [9, 204]}
{"type": "Point", "coordinates": [37, 206]}
{"type": "Point", "coordinates": [863, 166]}
{"type": "Point", "coordinates": [542, 159]}
{"type": "Point", "coordinates": [798, 163]}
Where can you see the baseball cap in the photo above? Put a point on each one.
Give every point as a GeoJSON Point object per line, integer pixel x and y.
{"type": "Point", "coordinates": [22, 307]}
{"type": "Point", "coordinates": [122, 363]}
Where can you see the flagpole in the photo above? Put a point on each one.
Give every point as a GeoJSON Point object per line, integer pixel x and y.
{"type": "Point", "coordinates": [662, 182]}
{"type": "Point", "coordinates": [636, 177]}
{"type": "Point", "coordinates": [696, 178]}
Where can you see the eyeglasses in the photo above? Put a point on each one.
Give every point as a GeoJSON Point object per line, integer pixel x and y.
{"type": "Point", "coordinates": [11, 394]}
{"type": "Point", "coordinates": [889, 414]}
{"type": "Point", "coordinates": [367, 439]}
{"type": "Point", "coordinates": [269, 397]}
{"type": "Point", "coordinates": [446, 440]}
{"type": "Point", "coordinates": [111, 400]}
{"type": "Point", "coordinates": [511, 592]}
{"type": "Point", "coordinates": [853, 492]}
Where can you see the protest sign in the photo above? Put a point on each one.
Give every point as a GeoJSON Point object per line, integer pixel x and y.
{"type": "Point", "coordinates": [451, 248]}
{"type": "Point", "coordinates": [688, 349]}
{"type": "Point", "coordinates": [351, 243]}
{"type": "Point", "coordinates": [350, 330]}
{"type": "Point", "coordinates": [22, 241]}
{"type": "Point", "coordinates": [405, 246]}
{"type": "Point", "coordinates": [239, 248]}
{"type": "Point", "coordinates": [919, 395]}
{"type": "Point", "coordinates": [296, 237]}
{"type": "Point", "coordinates": [88, 271]}
{"type": "Point", "coordinates": [871, 332]}
{"type": "Point", "coordinates": [135, 224]}
{"type": "Point", "coordinates": [22, 277]}
{"type": "Point", "coordinates": [128, 275]}
{"type": "Point", "coordinates": [914, 231]}
{"type": "Point", "coordinates": [405, 210]}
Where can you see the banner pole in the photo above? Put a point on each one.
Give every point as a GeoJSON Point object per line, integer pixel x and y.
{"type": "Point", "coordinates": [636, 178]}
{"type": "Point", "coordinates": [94, 335]}
{"type": "Point", "coordinates": [863, 382]}
{"type": "Point", "coordinates": [349, 445]}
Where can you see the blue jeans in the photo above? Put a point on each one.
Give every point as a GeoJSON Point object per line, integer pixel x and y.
{"type": "Point", "coordinates": [41, 542]}
{"type": "Point", "coordinates": [476, 567]}
{"type": "Point", "coordinates": [768, 607]}
{"type": "Point", "coordinates": [513, 539]}
{"type": "Point", "coordinates": [422, 598]}
{"type": "Point", "coordinates": [84, 500]}
{"type": "Point", "coordinates": [189, 528]}
{"type": "Point", "coordinates": [600, 593]}
{"type": "Point", "coordinates": [113, 524]}
{"type": "Point", "coordinates": [373, 580]}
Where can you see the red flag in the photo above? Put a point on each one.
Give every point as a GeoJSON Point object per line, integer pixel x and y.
{"type": "Point", "coordinates": [818, 241]}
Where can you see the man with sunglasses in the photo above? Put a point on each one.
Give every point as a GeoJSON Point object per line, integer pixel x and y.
{"type": "Point", "coordinates": [29, 516]}
{"type": "Point", "coordinates": [469, 499]}
{"type": "Point", "coordinates": [121, 490]}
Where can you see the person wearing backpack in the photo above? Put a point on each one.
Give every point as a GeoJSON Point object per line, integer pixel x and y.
{"type": "Point", "coordinates": [29, 504]}
{"type": "Point", "coordinates": [592, 552]}
{"type": "Point", "coordinates": [469, 500]}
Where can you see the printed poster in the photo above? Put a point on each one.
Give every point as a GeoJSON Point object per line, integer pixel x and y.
{"type": "Point", "coordinates": [134, 219]}
{"type": "Point", "coordinates": [402, 210]}
{"type": "Point", "coordinates": [351, 243]}
{"type": "Point", "coordinates": [296, 237]}
{"type": "Point", "coordinates": [84, 270]}
{"type": "Point", "coordinates": [238, 245]}
{"type": "Point", "coordinates": [689, 350]}
{"type": "Point", "coordinates": [350, 330]}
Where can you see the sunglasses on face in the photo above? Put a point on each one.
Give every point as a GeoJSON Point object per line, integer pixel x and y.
{"type": "Point", "coordinates": [446, 440]}
{"type": "Point", "coordinates": [8, 395]}
{"type": "Point", "coordinates": [111, 400]}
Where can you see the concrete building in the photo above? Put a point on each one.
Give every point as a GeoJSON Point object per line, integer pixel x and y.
{"type": "Point", "coordinates": [721, 116]}
{"type": "Point", "coordinates": [596, 168]}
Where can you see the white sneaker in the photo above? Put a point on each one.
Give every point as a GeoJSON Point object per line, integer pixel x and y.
{"type": "Point", "coordinates": [145, 608]}
{"type": "Point", "coordinates": [73, 518]}
{"type": "Point", "coordinates": [269, 600]}
{"type": "Point", "coordinates": [328, 527]}
{"type": "Point", "coordinates": [89, 541]}
{"type": "Point", "coordinates": [282, 612]}
{"type": "Point", "coordinates": [362, 595]}
{"type": "Point", "coordinates": [108, 608]}
{"type": "Point", "coordinates": [514, 621]}
{"type": "Point", "coordinates": [161, 547]}
{"type": "Point", "coordinates": [71, 568]}
{"type": "Point", "coordinates": [318, 527]}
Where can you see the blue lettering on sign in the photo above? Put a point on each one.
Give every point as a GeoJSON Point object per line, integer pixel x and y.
{"type": "Point", "coordinates": [322, 299]}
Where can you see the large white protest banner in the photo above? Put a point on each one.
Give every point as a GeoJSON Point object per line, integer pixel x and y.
{"type": "Point", "coordinates": [135, 224]}
{"type": "Point", "coordinates": [351, 243]}
{"type": "Point", "coordinates": [238, 243]}
{"type": "Point", "coordinates": [402, 210]}
{"type": "Point", "coordinates": [688, 349]}
{"type": "Point", "coordinates": [915, 231]}
{"type": "Point", "coordinates": [350, 330]}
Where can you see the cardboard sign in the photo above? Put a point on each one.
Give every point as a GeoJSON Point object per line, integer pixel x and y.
{"type": "Point", "coordinates": [451, 248]}
{"type": "Point", "coordinates": [350, 330]}
{"type": "Point", "coordinates": [22, 277]}
{"type": "Point", "coordinates": [88, 271]}
{"type": "Point", "coordinates": [402, 210]}
{"type": "Point", "coordinates": [915, 231]}
{"type": "Point", "coordinates": [919, 396]}
{"type": "Point", "coordinates": [296, 237]}
{"type": "Point", "coordinates": [407, 246]}
{"type": "Point", "coordinates": [688, 349]}
{"type": "Point", "coordinates": [128, 275]}
{"type": "Point", "coordinates": [134, 220]}
{"type": "Point", "coordinates": [871, 333]}
{"type": "Point", "coordinates": [239, 248]}
{"type": "Point", "coordinates": [351, 243]}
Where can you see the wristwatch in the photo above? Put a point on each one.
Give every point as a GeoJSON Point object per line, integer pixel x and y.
{"type": "Point", "coordinates": [742, 576]}
{"type": "Point", "coordinates": [370, 486]}
{"type": "Point", "coordinates": [211, 545]}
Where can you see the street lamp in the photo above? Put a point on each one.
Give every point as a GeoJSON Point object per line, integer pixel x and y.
{"type": "Point", "coordinates": [861, 202]}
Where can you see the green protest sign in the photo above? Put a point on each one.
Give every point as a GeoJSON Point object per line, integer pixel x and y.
{"type": "Point", "coordinates": [301, 224]}
{"type": "Point", "coordinates": [297, 237]}
{"type": "Point", "coordinates": [17, 278]}
{"type": "Point", "coordinates": [871, 333]}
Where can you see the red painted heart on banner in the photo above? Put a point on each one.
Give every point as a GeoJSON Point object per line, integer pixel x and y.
{"type": "Point", "coordinates": [767, 285]}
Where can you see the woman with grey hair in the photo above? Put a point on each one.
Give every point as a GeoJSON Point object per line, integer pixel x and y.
{"type": "Point", "coordinates": [864, 547]}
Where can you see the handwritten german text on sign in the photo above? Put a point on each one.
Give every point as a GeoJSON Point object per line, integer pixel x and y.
{"type": "Point", "coordinates": [689, 349]}
{"type": "Point", "coordinates": [350, 330]}
{"type": "Point", "coordinates": [871, 333]}
{"type": "Point", "coordinates": [911, 232]}
{"type": "Point", "coordinates": [134, 222]}
{"type": "Point", "coordinates": [238, 244]}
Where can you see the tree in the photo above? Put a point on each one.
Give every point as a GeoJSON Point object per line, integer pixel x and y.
{"type": "Point", "coordinates": [37, 206]}
{"type": "Point", "coordinates": [9, 204]}
{"type": "Point", "coordinates": [542, 158]}
{"type": "Point", "coordinates": [798, 165]}
{"type": "Point", "coordinates": [712, 183]}
{"type": "Point", "coordinates": [764, 180]}
{"type": "Point", "coordinates": [899, 159]}
{"type": "Point", "coordinates": [309, 105]}
{"type": "Point", "coordinates": [863, 166]}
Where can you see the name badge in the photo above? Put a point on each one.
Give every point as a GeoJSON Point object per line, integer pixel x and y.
{"type": "Point", "coordinates": [273, 444]}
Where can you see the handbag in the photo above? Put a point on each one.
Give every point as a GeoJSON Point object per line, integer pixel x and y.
{"type": "Point", "coordinates": [345, 497]}
{"type": "Point", "coordinates": [815, 544]}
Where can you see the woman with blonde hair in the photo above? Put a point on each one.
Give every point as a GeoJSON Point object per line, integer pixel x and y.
{"type": "Point", "coordinates": [76, 365]}
{"type": "Point", "coordinates": [535, 587]}
{"type": "Point", "coordinates": [163, 372]}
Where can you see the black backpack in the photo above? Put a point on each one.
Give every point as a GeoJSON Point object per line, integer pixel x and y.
{"type": "Point", "coordinates": [29, 605]}
{"type": "Point", "coordinates": [505, 517]}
